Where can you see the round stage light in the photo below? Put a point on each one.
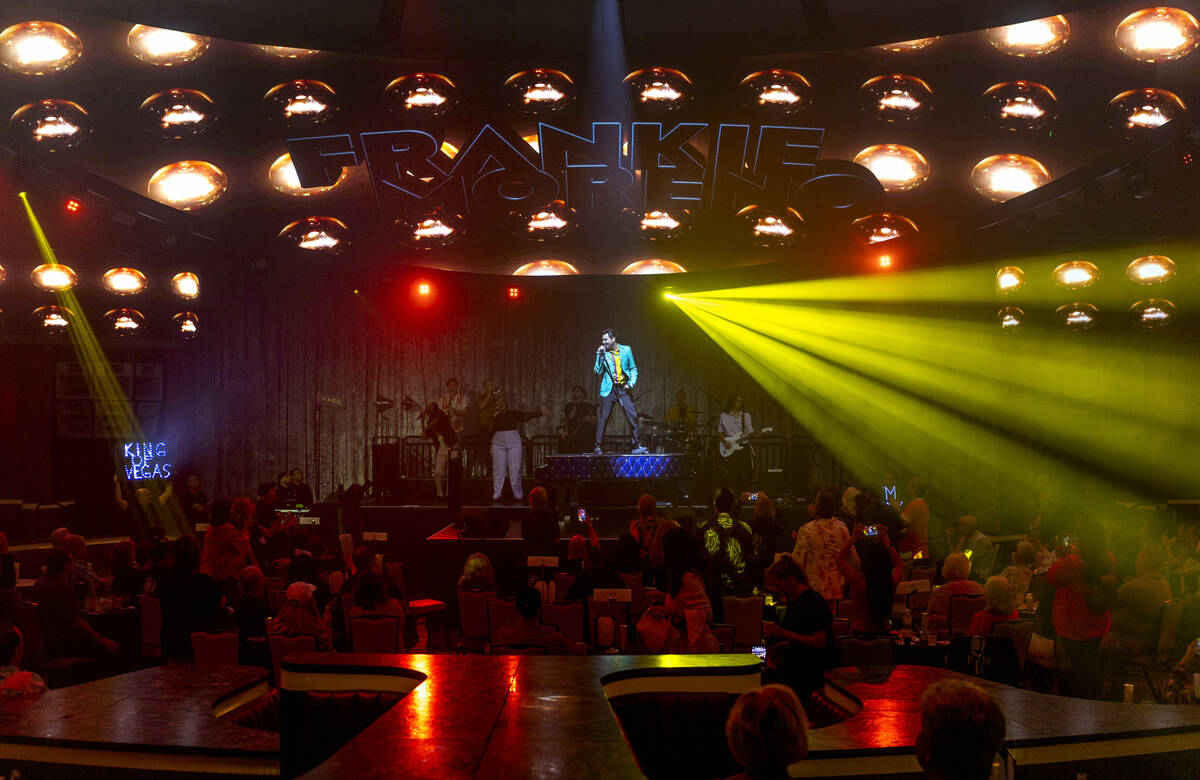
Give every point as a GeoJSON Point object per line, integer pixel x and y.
{"type": "Point", "coordinates": [38, 48]}
{"type": "Point", "coordinates": [658, 224]}
{"type": "Point", "coordinates": [650, 267]}
{"type": "Point", "coordinates": [421, 95]}
{"type": "Point", "coordinates": [540, 90]}
{"type": "Point", "coordinates": [1138, 112]}
{"type": "Point", "coordinates": [53, 319]}
{"type": "Point", "coordinates": [1011, 318]}
{"type": "Point", "coordinates": [165, 48]}
{"type": "Point", "coordinates": [877, 228]}
{"type": "Point", "coordinates": [770, 227]}
{"type": "Point", "coordinates": [3, 274]}
{"type": "Point", "coordinates": [186, 285]}
{"type": "Point", "coordinates": [664, 88]}
{"type": "Point", "coordinates": [54, 277]}
{"type": "Point", "coordinates": [288, 52]}
{"type": "Point", "coordinates": [898, 168]}
{"type": "Point", "coordinates": [283, 178]}
{"type": "Point", "coordinates": [547, 268]}
{"type": "Point", "coordinates": [1004, 176]}
{"type": "Point", "coordinates": [124, 281]}
{"type": "Point", "coordinates": [435, 230]}
{"type": "Point", "coordinates": [187, 324]}
{"type": "Point", "coordinates": [125, 322]}
{"type": "Point", "coordinates": [188, 184]}
{"type": "Point", "coordinates": [1033, 38]}
{"type": "Point", "coordinates": [1019, 105]}
{"type": "Point", "coordinates": [895, 97]}
{"type": "Point", "coordinates": [1076, 274]}
{"type": "Point", "coordinates": [1151, 269]}
{"type": "Point", "coordinates": [301, 102]}
{"type": "Point", "coordinates": [1152, 313]}
{"type": "Point", "coordinates": [1158, 34]}
{"type": "Point", "coordinates": [552, 221]}
{"type": "Point", "coordinates": [776, 91]}
{"type": "Point", "coordinates": [178, 113]}
{"type": "Point", "coordinates": [1009, 279]}
{"type": "Point", "coordinates": [317, 234]}
{"type": "Point", "coordinates": [1078, 316]}
{"type": "Point", "coordinates": [903, 47]}
{"type": "Point", "coordinates": [52, 125]}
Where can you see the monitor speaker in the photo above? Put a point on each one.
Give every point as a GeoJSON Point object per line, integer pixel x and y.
{"type": "Point", "coordinates": [385, 467]}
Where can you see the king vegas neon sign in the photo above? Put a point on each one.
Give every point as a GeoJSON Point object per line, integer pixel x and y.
{"type": "Point", "coordinates": [145, 460]}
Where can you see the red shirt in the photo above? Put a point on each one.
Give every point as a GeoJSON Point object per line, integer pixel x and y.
{"type": "Point", "coordinates": [1073, 618]}
{"type": "Point", "coordinates": [984, 619]}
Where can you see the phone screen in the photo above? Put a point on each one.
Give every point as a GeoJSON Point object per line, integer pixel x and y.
{"type": "Point", "coordinates": [760, 651]}
{"type": "Point", "coordinates": [753, 496]}
{"type": "Point", "coordinates": [582, 514]}
{"type": "Point", "coordinates": [871, 530]}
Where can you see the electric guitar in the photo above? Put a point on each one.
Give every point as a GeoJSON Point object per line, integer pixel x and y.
{"type": "Point", "coordinates": [732, 444]}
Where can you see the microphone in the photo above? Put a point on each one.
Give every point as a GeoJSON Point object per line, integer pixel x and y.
{"type": "Point", "coordinates": [600, 349]}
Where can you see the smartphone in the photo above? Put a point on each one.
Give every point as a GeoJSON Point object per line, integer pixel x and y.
{"type": "Point", "coordinates": [1066, 540]}
{"type": "Point", "coordinates": [871, 530]}
{"type": "Point", "coordinates": [760, 651]}
{"type": "Point", "coordinates": [581, 515]}
{"type": "Point", "coordinates": [753, 496]}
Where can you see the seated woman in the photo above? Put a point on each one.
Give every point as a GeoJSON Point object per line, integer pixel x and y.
{"type": "Point", "coordinates": [477, 573]}
{"type": "Point", "coordinates": [1020, 573]}
{"type": "Point", "coordinates": [872, 585]}
{"type": "Point", "coordinates": [686, 604]}
{"type": "Point", "coordinates": [999, 596]}
{"type": "Point", "coordinates": [300, 616]}
{"type": "Point", "coordinates": [955, 570]}
{"type": "Point", "coordinates": [128, 581]}
{"type": "Point", "coordinates": [767, 730]}
{"type": "Point", "coordinates": [371, 597]}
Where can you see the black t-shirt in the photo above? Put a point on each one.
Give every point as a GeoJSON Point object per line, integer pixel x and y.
{"type": "Point", "coordinates": [508, 421]}
{"type": "Point", "coordinates": [190, 500]}
{"type": "Point", "coordinates": [803, 667]}
{"type": "Point", "coordinates": [190, 602]}
{"type": "Point", "coordinates": [541, 533]}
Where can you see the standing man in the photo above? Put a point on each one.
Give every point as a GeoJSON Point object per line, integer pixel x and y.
{"type": "Point", "coordinates": [578, 418]}
{"type": "Point", "coordinates": [301, 490]}
{"type": "Point", "coordinates": [618, 374]}
{"type": "Point", "coordinates": [735, 428]}
{"type": "Point", "coordinates": [681, 413]}
{"type": "Point", "coordinates": [485, 411]}
{"type": "Point", "coordinates": [454, 403]}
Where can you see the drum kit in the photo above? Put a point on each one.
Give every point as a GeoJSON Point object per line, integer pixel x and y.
{"type": "Point", "coordinates": [675, 437]}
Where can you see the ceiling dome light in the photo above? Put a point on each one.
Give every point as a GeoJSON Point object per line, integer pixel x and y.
{"type": "Point", "coordinates": [1011, 318]}
{"type": "Point", "coordinates": [124, 281]}
{"type": "Point", "coordinates": [770, 228]}
{"type": "Point", "coordinates": [903, 47]}
{"type": "Point", "coordinates": [895, 97]}
{"type": "Point", "coordinates": [1009, 279]}
{"type": "Point", "coordinates": [547, 268]}
{"type": "Point", "coordinates": [187, 185]}
{"type": "Point", "coordinates": [53, 319]}
{"type": "Point", "coordinates": [54, 277]}
{"type": "Point", "coordinates": [421, 95]}
{"type": "Point", "coordinates": [1078, 316]}
{"type": "Point", "coordinates": [1019, 105]}
{"type": "Point", "coordinates": [650, 267]}
{"type": "Point", "coordinates": [301, 102]}
{"type": "Point", "coordinates": [1137, 112]}
{"type": "Point", "coordinates": [186, 285]}
{"type": "Point", "coordinates": [3, 274]}
{"type": "Point", "coordinates": [877, 228]}
{"type": "Point", "coordinates": [187, 324]}
{"type": "Point", "coordinates": [1076, 274]}
{"type": "Point", "coordinates": [178, 113]}
{"type": "Point", "coordinates": [1004, 176]}
{"type": "Point", "coordinates": [436, 229]}
{"type": "Point", "coordinates": [1152, 313]}
{"type": "Point", "coordinates": [656, 224]}
{"type": "Point", "coordinates": [38, 48]}
{"type": "Point", "coordinates": [125, 322]}
{"type": "Point", "coordinates": [664, 88]}
{"type": "Point", "coordinates": [288, 52]}
{"type": "Point", "coordinates": [540, 90]}
{"type": "Point", "coordinates": [317, 234]}
{"type": "Point", "coordinates": [779, 92]}
{"type": "Point", "coordinates": [283, 177]}
{"type": "Point", "coordinates": [165, 48]}
{"type": "Point", "coordinates": [898, 168]}
{"type": "Point", "coordinates": [554, 220]}
{"type": "Point", "coordinates": [1031, 39]}
{"type": "Point", "coordinates": [1151, 269]}
{"type": "Point", "coordinates": [52, 125]}
{"type": "Point", "coordinates": [1158, 34]}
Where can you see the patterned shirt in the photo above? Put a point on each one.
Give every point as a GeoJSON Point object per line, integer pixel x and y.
{"type": "Point", "coordinates": [817, 546]}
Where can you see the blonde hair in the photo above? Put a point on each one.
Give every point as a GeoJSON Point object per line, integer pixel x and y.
{"type": "Point", "coordinates": [998, 592]}
{"type": "Point", "coordinates": [956, 567]}
{"type": "Point", "coordinates": [477, 573]}
{"type": "Point", "coordinates": [767, 729]}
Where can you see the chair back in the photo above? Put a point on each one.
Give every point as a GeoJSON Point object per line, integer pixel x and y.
{"type": "Point", "coordinates": [1020, 632]}
{"type": "Point", "coordinates": [150, 617]}
{"type": "Point", "coordinates": [841, 627]}
{"type": "Point", "coordinates": [637, 592]}
{"type": "Point", "coordinates": [962, 608]}
{"type": "Point", "coordinates": [567, 616]}
{"type": "Point", "coordinates": [845, 608]}
{"type": "Point", "coordinates": [989, 657]}
{"type": "Point", "coordinates": [500, 613]}
{"type": "Point", "coordinates": [860, 651]}
{"type": "Point", "coordinates": [562, 583]}
{"type": "Point", "coordinates": [346, 602]}
{"type": "Point", "coordinates": [336, 580]}
{"type": "Point", "coordinates": [377, 634]}
{"type": "Point", "coordinates": [473, 613]}
{"type": "Point", "coordinates": [394, 571]}
{"type": "Point", "coordinates": [281, 645]}
{"type": "Point", "coordinates": [746, 616]}
{"type": "Point", "coordinates": [30, 623]}
{"type": "Point", "coordinates": [219, 648]}
{"type": "Point", "coordinates": [1171, 613]}
{"type": "Point", "coordinates": [725, 635]}
{"type": "Point", "coordinates": [615, 611]}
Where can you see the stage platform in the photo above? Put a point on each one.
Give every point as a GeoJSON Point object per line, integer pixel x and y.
{"type": "Point", "coordinates": [592, 467]}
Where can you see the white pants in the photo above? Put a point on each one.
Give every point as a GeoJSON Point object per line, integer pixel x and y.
{"type": "Point", "coordinates": [506, 459]}
{"type": "Point", "coordinates": [441, 463]}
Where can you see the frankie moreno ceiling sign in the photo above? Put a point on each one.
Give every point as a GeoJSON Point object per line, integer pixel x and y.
{"type": "Point", "coordinates": [641, 165]}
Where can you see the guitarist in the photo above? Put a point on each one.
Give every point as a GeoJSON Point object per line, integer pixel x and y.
{"type": "Point", "coordinates": [735, 428]}
{"type": "Point", "coordinates": [578, 418]}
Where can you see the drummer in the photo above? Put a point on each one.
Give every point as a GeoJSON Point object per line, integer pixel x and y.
{"type": "Point", "coordinates": [681, 417]}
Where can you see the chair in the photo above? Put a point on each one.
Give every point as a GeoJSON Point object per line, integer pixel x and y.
{"type": "Point", "coordinates": [58, 672]}
{"type": "Point", "coordinates": [568, 616]}
{"type": "Point", "coordinates": [1172, 612]}
{"type": "Point", "coordinates": [841, 627]}
{"type": "Point", "coordinates": [859, 651]}
{"type": "Point", "coordinates": [282, 645]}
{"type": "Point", "coordinates": [845, 608]}
{"type": "Point", "coordinates": [616, 611]}
{"type": "Point", "coordinates": [725, 635]}
{"type": "Point", "coordinates": [150, 617]}
{"type": "Point", "coordinates": [217, 648]}
{"type": "Point", "coordinates": [562, 583]}
{"type": "Point", "coordinates": [473, 618]}
{"type": "Point", "coordinates": [500, 613]}
{"type": "Point", "coordinates": [418, 608]}
{"type": "Point", "coordinates": [1020, 632]}
{"type": "Point", "coordinates": [346, 602]}
{"type": "Point", "coordinates": [962, 608]}
{"type": "Point", "coordinates": [519, 650]}
{"type": "Point", "coordinates": [989, 657]}
{"type": "Point", "coordinates": [746, 616]}
{"type": "Point", "coordinates": [377, 634]}
{"type": "Point", "coordinates": [637, 592]}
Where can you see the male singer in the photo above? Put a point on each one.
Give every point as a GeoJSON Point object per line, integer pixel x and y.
{"type": "Point", "coordinates": [618, 374]}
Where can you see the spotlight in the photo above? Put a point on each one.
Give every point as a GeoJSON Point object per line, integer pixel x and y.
{"type": "Point", "coordinates": [877, 228]}
{"type": "Point", "coordinates": [435, 230]}
{"type": "Point", "coordinates": [177, 113]}
{"type": "Point", "coordinates": [767, 228]}
{"type": "Point", "coordinates": [657, 224]}
{"type": "Point", "coordinates": [427, 95]}
{"type": "Point", "coordinates": [124, 281]}
{"type": "Point", "coordinates": [165, 48]}
{"type": "Point", "coordinates": [1138, 112]}
{"type": "Point", "coordinates": [552, 221]}
{"type": "Point", "coordinates": [1152, 313]}
{"type": "Point", "coordinates": [1158, 34]}
{"type": "Point", "coordinates": [514, 293]}
{"type": "Point", "coordinates": [903, 47]}
{"type": "Point", "coordinates": [1009, 279]}
{"type": "Point", "coordinates": [540, 90]}
{"type": "Point", "coordinates": [283, 178]}
{"type": "Point", "coordinates": [186, 285]}
{"type": "Point", "coordinates": [1151, 269]}
{"type": "Point", "coordinates": [898, 168]}
{"type": "Point", "coordinates": [781, 92]}
{"type": "Point", "coordinates": [3, 274]}
{"type": "Point", "coordinates": [301, 102]}
{"type": "Point", "coordinates": [1011, 318]}
{"type": "Point", "coordinates": [1078, 316]}
{"type": "Point", "coordinates": [317, 234]}
{"type": "Point", "coordinates": [547, 268]}
{"type": "Point", "coordinates": [52, 125]}
{"type": "Point", "coordinates": [38, 48]}
{"type": "Point", "coordinates": [895, 97]}
{"type": "Point", "coordinates": [187, 323]}
{"type": "Point", "coordinates": [288, 52]}
{"type": "Point", "coordinates": [73, 205]}
{"type": "Point", "coordinates": [1004, 176]}
{"type": "Point", "coordinates": [187, 185]}
{"type": "Point", "coordinates": [651, 267]}
{"type": "Point", "coordinates": [424, 289]}
{"type": "Point", "coordinates": [1019, 105]}
{"type": "Point", "coordinates": [54, 277]}
{"type": "Point", "coordinates": [1076, 274]}
{"type": "Point", "coordinates": [53, 319]}
{"type": "Point", "coordinates": [125, 322]}
{"type": "Point", "coordinates": [1031, 39]}
{"type": "Point", "coordinates": [884, 261]}
{"type": "Point", "coordinates": [664, 88]}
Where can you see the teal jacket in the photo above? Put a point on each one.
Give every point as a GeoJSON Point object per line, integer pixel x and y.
{"type": "Point", "coordinates": [606, 367]}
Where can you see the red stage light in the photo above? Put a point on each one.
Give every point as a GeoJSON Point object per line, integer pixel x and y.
{"type": "Point", "coordinates": [514, 292]}
{"type": "Point", "coordinates": [73, 205]}
{"type": "Point", "coordinates": [885, 261]}
{"type": "Point", "coordinates": [424, 289]}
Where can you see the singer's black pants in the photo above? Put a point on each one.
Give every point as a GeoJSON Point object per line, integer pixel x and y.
{"type": "Point", "coordinates": [619, 395]}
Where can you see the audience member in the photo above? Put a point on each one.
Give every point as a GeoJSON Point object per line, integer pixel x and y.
{"type": "Point", "coordinates": [82, 573]}
{"type": "Point", "coordinates": [977, 546]}
{"type": "Point", "coordinates": [627, 555]}
{"type": "Point", "coordinates": [128, 580]}
{"type": "Point", "coordinates": [645, 524]}
{"type": "Point", "coordinates": [767, 730]}
{"type": "Point", "coordinates": [998, 593]}
{"type": "Point", "coordinates": [955, 571]}
{"type": "Point", "coordinates": [190, 599]}
{"type": "Point", "coordinates": [371, 597]}
{"type": "Point", "coordinates": [872, 584]}
{"type": "Point", "coordinates": [64, 631]}
{"type": "Point", "coordinates": [962, 730]}
{"type": "Point", "coordinates": [818, 543]}
{"type": "Point", "coordinates": [665, 526]}
{"type": "Point", "coordinates": [360, 560]}
{"type": "Point", "coordinates": [871, 511]}
{"type": "Point", "coordinates": [226, 553]}
{"type": "Point", "coordinates": [1182, 551]}
{"type": "Point", "coordinates": [539, 528]}
{"type": "Point", "coordinates": [477, 573]}
{"type": "Point", "coordinates": [848, 511]}
{"type": "Point", "coordinates": [916, 520]}
{"type": "Point", "coordinates": [528, 631]}
{"type": "Point", "coordinates": [300, 489]}
{"type": "Point", "coordinates": [595, 574]}
{"type": "Point", "coordinates": [1020, 572]}
{"type": "Point", "coordinates": [1085, 589]}
{"type": "Point", "coordinates": [577, 547]}
{"type": "Point", "coordinates": [1136, 614]}
{"type": "Point", "coordinates": [727, 540]}
{"type": "Point", "coordinates": [59, 535]}
{"type": "Point", "coordinates": [299, 615]}
{"type": "Point", "coordinates": [252, 610]}
{"type": "Point", "coordinates": [802, 644]}
{"type": "Point", "coordinates": [686, 600]}
{"type": "Point", "coordinates": [195, 503]}
{"type": "Point", "coordinates": [13, 681]}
